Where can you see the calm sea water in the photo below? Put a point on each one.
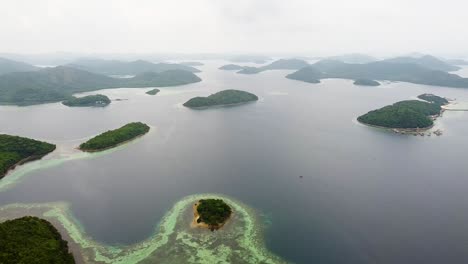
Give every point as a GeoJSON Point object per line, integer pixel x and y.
{"type": "Point", "coordinates": [366, 196]}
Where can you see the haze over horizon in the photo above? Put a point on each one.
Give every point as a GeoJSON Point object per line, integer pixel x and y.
{"type": "Point", "coordinates": [374, 27]}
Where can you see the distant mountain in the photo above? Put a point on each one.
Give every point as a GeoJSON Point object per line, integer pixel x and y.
{"type": "Point", "coordinates": [59, 83]}
{"type": "Point", "coordinates": [427, 61]}
{"type": "Point", "coordinates": [356, 58]}
{"type": "Point", "coordinates": [259, 59]}
{"type": "Point", "coordinates": [457, 62]}
{"type": "Point", "coordinates": [115, 67]}
{"type": "Point", "coordinates": [8, 66]}
{"type": "Point", "coordinates": [380, 70]}
{"type": "Point", "coordinates": [282, 64]}
{"type": "Point", "coordinates": [191, 63]}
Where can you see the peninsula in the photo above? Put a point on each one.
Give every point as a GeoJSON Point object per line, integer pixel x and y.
{"type": "Point", "coordinates": [226, 97]}
{"type": "Point", "coordinates": [32, 240]}
{"type": "Point", "coordinates": [89, 100]}
{"type": "Point", "coordinates": [211, 213]}
{"type": "Point", "coordinates": [16, 150]}
{"type": "Point", "coordinates": [113, 138]}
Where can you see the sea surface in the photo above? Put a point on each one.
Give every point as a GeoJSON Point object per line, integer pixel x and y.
{"type": "Point", "coordinates": [365, 196]}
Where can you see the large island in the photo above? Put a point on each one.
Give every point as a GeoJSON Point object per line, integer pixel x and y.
{"type": "Point", "coordinates": [226, 97]}
{"type": "Point", "coordinates": [32, 240]}
{"type": "Point", "coordinates": [16, 150]}
{"type": "Point", "coordinates": [211, 213]}
{"type": "Point", "coordinates": [89, 100]}
{"type": "Point", "coordinates": [113, 138]}
{"type": "Point", "coordinates": [411, 115]}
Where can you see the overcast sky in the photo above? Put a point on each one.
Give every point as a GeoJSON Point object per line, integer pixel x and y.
{"type": "Point", "coordinates": [235, 26]}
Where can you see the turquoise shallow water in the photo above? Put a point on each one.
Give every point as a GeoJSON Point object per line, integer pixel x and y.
{"type": "Point", "coordinates": [366, 196]}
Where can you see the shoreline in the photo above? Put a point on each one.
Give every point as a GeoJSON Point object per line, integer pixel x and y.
{"type": "Point", "coordinates": [196, 216]}
{"type": "Point", "coordinates": [218, 105]}
{"type": "Point", "coordinates": [23, 161]}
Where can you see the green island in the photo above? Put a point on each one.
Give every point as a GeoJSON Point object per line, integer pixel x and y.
{"type": "Point", "coordinates": [366, 82]}
{"type": "Point", "coordinates": [226, 97]}
{"type": "Point", "coordinates": [59, 83]}
{"type": "Point", "coordinates": [411, 114]}
{"type": "Point", "coordinates": [16, 150]}
{"type": "Point", "coordinates": [89, 100]}
{"type": "Point", "coordinates": [113, 138]}
{"type": "Point", "coordinates": [32, 240]}
{"type": "Point", "coordinates": [431, 98]}
{"type": "Point", "coordinates": [231, 67]}
{"type": "Point", "coordinates": [211, 213]}
{"type": "Point", "coordinates": [153, 92]}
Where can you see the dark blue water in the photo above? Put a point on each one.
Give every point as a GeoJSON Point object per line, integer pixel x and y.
{"type": "Point", "coordinates": [366, 196]}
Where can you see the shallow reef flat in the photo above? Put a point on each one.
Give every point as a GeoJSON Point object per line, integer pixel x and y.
{"type": "Point", "coordinates": [173, 240]}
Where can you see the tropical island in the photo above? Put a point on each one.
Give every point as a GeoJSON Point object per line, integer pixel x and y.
{"type": "Point", "coordinates": [113, 138]}
{"type": "Point", "coordinates": [366, 82]}
{"type": "Point", "coordinates": [231, 67]}
{"type": "Point", "coordinates": [211, 213]}
{"type": "Point", "coordinates": [431, 98]}
{"type": "Point", "coordinates": [59, 83]}
{"type": "Point", "coordinates": [222, 98]}
{"type": "Point", "coordinates": [411, 115]}
{"type": "Point", "coordinates": [32, 240]}
{"type": "Point", "coordinates": [16, 150]}
{"type": "Point", "coordinates": [153, 92]}
{"type": "Point", "coordinates": [89, 100]}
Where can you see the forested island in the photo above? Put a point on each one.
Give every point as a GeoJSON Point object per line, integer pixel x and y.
{"type": "Point", "coordinates": [211, 213]}
{"type": "Point", "coordinates": [226, 97]}
{"type": "Point", "coordinates": [431, 98]}
{"type": "Point", "coordinates": [231, 67]}
{"type": "Point", "coordinates": [32, 240]}
{"type": "Point", "coordinates": [411, 114]}
{"type": "Point", "coordinates": [113, 138]}
{"type": "Point", "coordinates": [153, 92]}
{"type": "Point", "coordinates": [89, 100]}
{"type": "Point", "coordinates": [16, 150]}
{"type": "Point", "coordinates": [59, 83]}
{"type": "Point", "coordinates": [366, 82]}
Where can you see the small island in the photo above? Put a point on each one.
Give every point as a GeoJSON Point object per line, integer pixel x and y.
{"type": "Point", "coordinates": [113, 138]}
{"type": "Point", "coordinates": [223, 98]}
{"type": "Point", "coordinates": [153, 92]}
{"type": "Point", "coordinates": [366, 82]}
{"type": "Point", "coordinates": [97, 100]}
{"type": "Point", "coordinates": [16, 150]}
{"type": "Point", "coordinates": [431, 98]}
{"type": "Point", "coordinates": [211, 213]}
{"type": "Point", "coordinates": [231, 67]}
{"type": "Point", "coordinates": [32, 240]}
{"type": "Point", "coordinates": [411, 115]}
{"type": "Point", "coordinates": [250, 70]}
{"type": "Point", "coordinates": [307, 74]}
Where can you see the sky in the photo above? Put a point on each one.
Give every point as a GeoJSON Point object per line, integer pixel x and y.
{"type": "Point", "coordinates": [308, 27]}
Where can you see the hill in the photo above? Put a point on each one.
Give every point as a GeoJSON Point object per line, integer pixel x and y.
{"type": "Point", "coordinates": [8, 66]}
{"type": "Point", "coordinates": [431, 98]}
{"type": "Point", "coordinates": [427, 61]}
{"type": "Point", "coordinates": [354, 58]}
{"type": "Point", "coordinates": [58, 83]}
{"type": "Point", "coordinates": [366, 82]}
{"type": "Point", "coordinates": [115, 67]}
{"type": "Point", "coordinates": [89, 100]}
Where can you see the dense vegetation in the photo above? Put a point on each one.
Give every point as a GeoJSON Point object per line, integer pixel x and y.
{"type": "Point", "coordinates": [231, 67]}
{"type": "Point", "coordinates": [433, 99]}
{"type": "Point", "coordinates": [114, 67]}
{"type": "Point", "coordinates": [30, 240]}
{"type": "Point", "coordinates": [14, 149]}
{"type": "Point", "coordinates": [58, 83]}
{"type": "Point", "coordinates": [89, 100]}
{"type": "Point", "coordinates": [8, 66]}
{"type": "Point", "coordinates": [115, 137]}
{"type": "Point", "coordinates": [153, 92]}
{"type": "Point", "coordinates": [213, 212]}
{"type": "Point", "coordinates": [380, 70]}
{"type": "Point", "coordinates": [404, 114]}
{"type": "Point", "coordinates": [225, 97]}
{"type": "Point", "coordinates": [366, 82]}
